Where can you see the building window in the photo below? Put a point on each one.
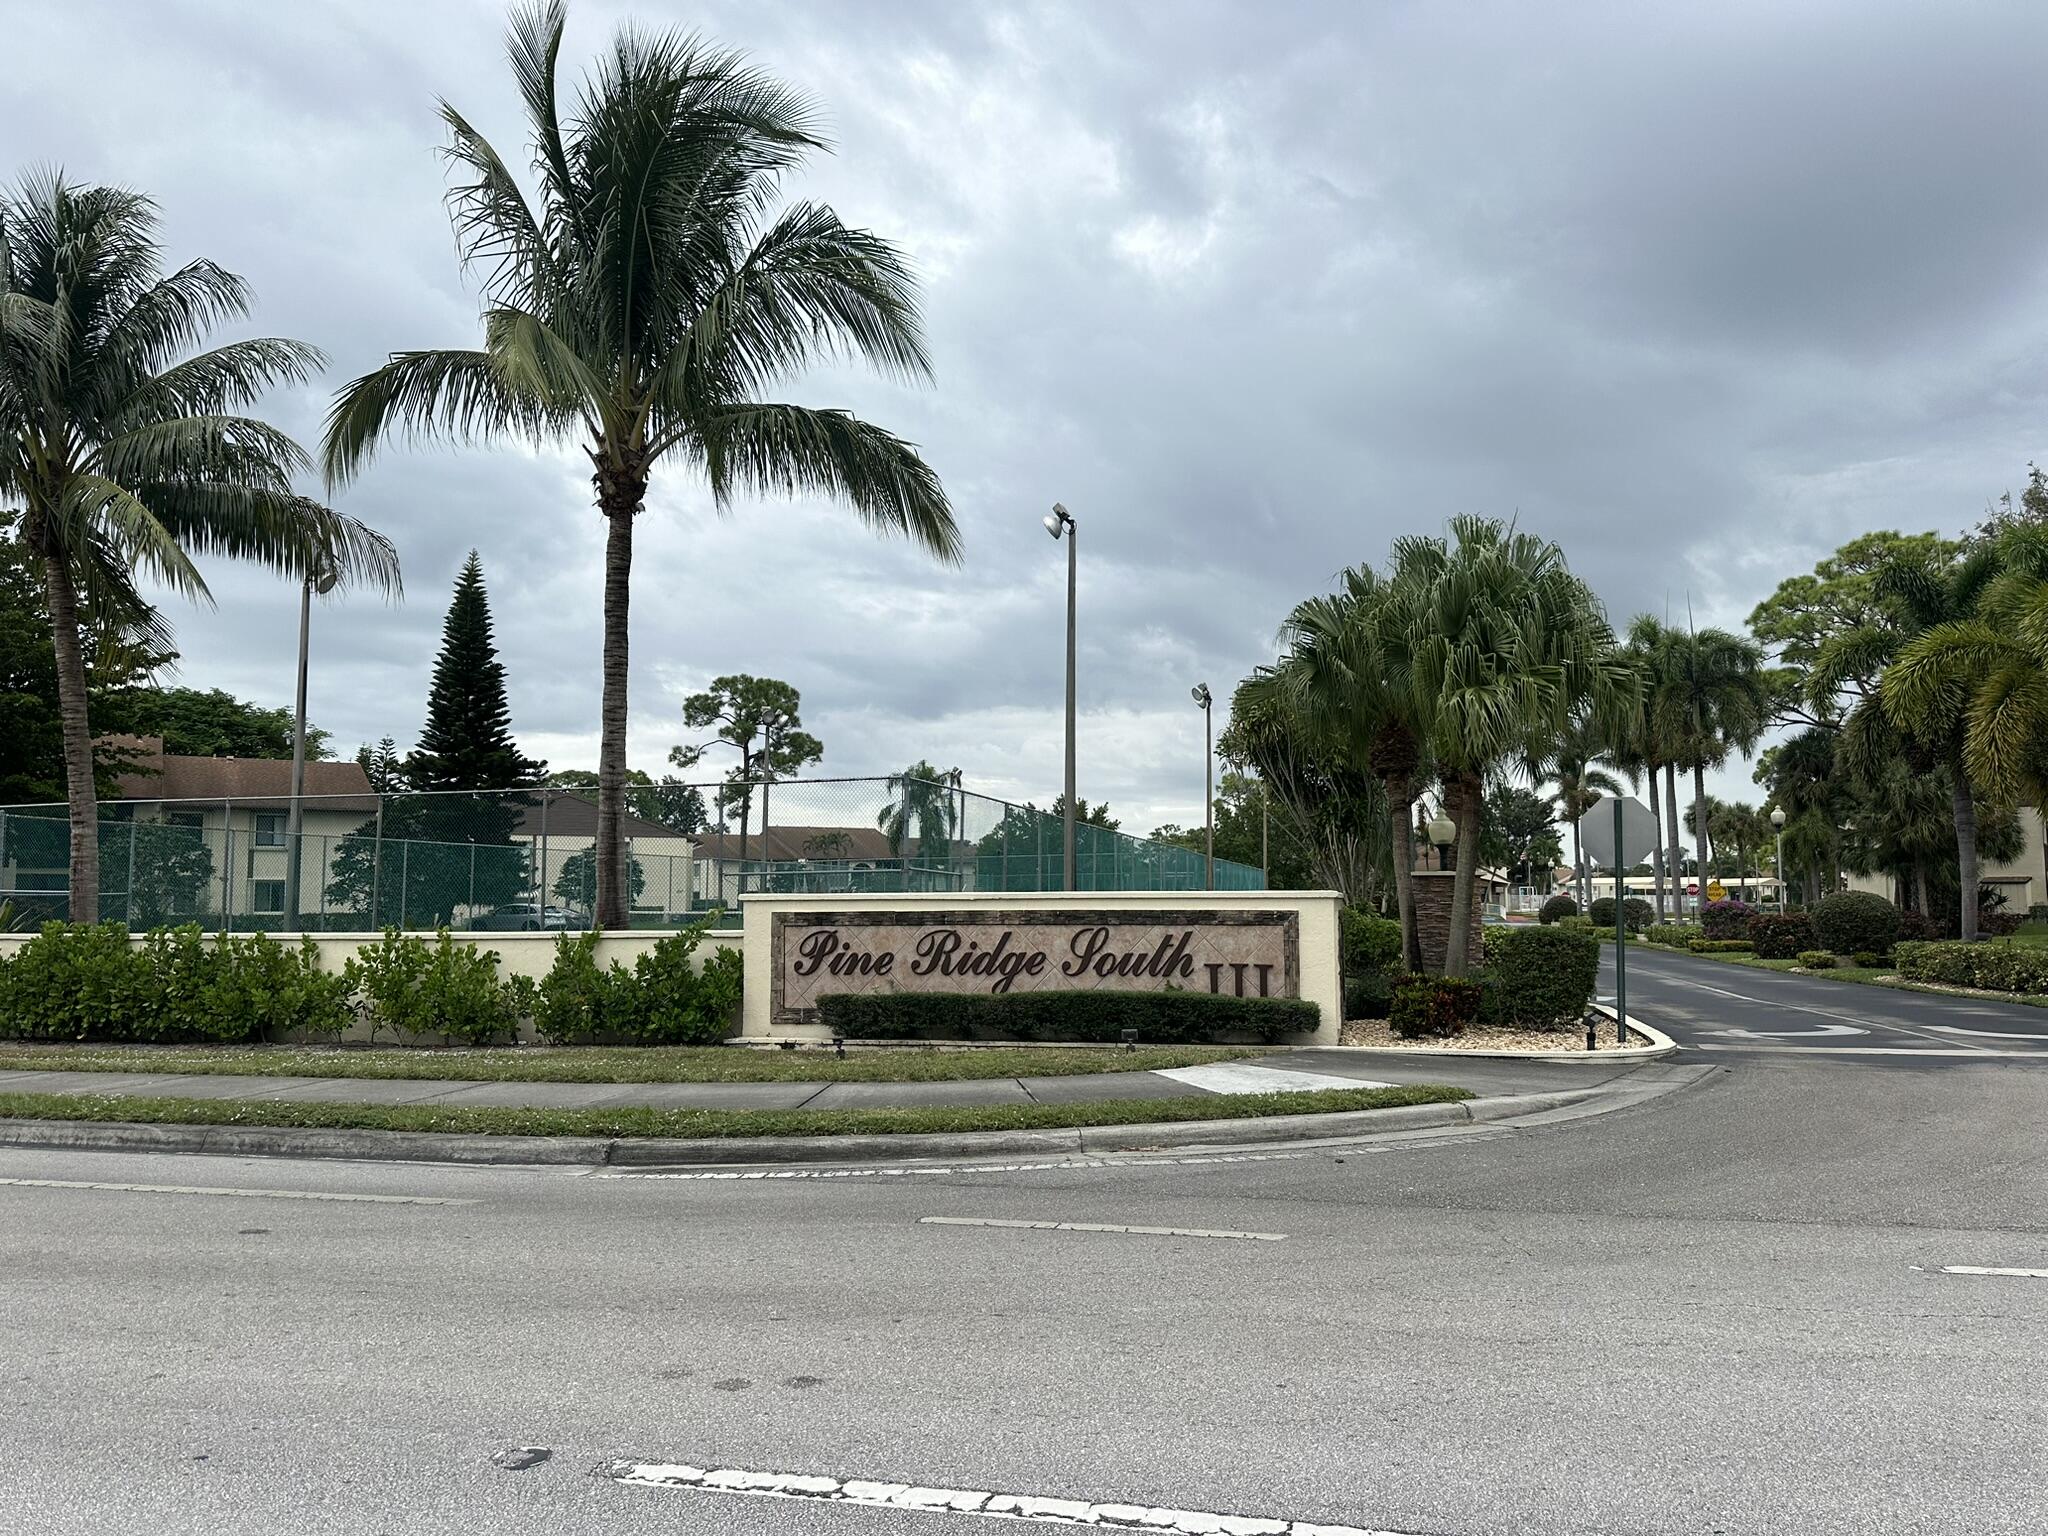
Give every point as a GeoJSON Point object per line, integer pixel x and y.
{"type": "Point", "coordinates": [270, 829]}
{"type": "Point", "coordinates": [193, 819]}
{"type": "Point", "coordinates": [266, 897]}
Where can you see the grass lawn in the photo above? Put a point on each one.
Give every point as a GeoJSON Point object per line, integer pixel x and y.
{"type": "Point", "coordinates": [616, 1064]}
{"type": "Point", "coordinates": [1862, 975]}
{"type": "Point", "coordinates": [631, 1122]}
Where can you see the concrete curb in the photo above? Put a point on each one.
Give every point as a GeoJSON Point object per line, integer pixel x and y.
{"type": "Point", "coordinates": [1660, 1045]}
{"type": "Point", "coordinates": [591, 1151]}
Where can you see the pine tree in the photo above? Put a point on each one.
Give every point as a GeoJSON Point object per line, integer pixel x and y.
{"type": "Point", "coordinates": [381, 763]}
{"type": "Point", "coordinates": [467, 741]}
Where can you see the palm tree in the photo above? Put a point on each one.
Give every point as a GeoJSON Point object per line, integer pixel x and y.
{"type": "Point", "coordinates": [1505, 646]}
{"type": "Point", "coordinates": [919, 796]}
{"type": "Point", "coordinates": [1345, 662]}
{"type": "Point", "coordinates": [126, 459]}
{"type": "Point", "coordinates": [1571, 764]}
{"type": "Point", "coordinates": [1642, 751]}
{"type": "Point", "coordinates": [1922, 705]}
{"type": "Point", "coordinates": [640, 306]}
{"type": "Point", "coordinates": [1710, 700]}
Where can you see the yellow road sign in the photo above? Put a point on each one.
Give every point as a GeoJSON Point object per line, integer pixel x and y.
{"type": "Point", "coordinates": [1716, 891]}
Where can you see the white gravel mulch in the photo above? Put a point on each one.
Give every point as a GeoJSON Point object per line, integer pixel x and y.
{"type": "Point", "coordinates": [1375, 1032]}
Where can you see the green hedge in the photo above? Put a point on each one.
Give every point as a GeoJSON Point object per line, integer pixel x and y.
{"type": "Point", "coordinates": [1849, 921]}
{"type": "Point", "coordinates": [664, 999]}
{"type": "Point", "coordinates": [1677, 935]}
{"type": "Point", "coordinates": [1721, 946]}
{"type": "Point", "coordinates": [1541, 978]}
{"type": "Point", "coordinates": [1160, 1018]}
{"type": "Point", "coordinates": [1558, 906]}
{"type": "Point", "coordinates": [1368, 941]}
{"type": "Point", "coordinates": [1815, 959]}
{"type": "Point", "coordinates": [86, 981]}
{"type": "Point", "coordinates": [1434, 1007]}
{"type": "Point", "coordinates": [1994, 967]}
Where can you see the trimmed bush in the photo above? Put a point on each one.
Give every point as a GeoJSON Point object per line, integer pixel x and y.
{"type": "Point", "coordinates": [1368, 941]}
{"type": "Point", "coordinates": [1433, 1007]}
{"type": "Point", "coordinates": [1541, 978]}
{"type": "Point", "coordinates": [1815, 959]}
{"type": "Point", "coordinates": [2000, 925]}
{"type": "Point", "coordinates": [1160, 1018]}
{"type": "Point", "coordinates": [1577, 924]}
{"type": "Point", "coordinates": [1994, 967]}
{"type": "Point", "coordinates": [1640, 914]}
{"type": "Point", "coordinates": [1869, 959]}
{"type": "Point", "coordinates": [1677, 935]}
{"type": "Point", "coordinates": [1558, 906]}
{"type": "Point", "coordinates": [1720, 946]}
{"type": "Point", "coordinates": [1915, 925]}
{"type": "Point", "coordinates": [89, 982]}
{"type": "Point", "coordinates": [1781, 935]}
{"type": "Point", "coordinates": [665, 999]}
{"type": "Point", "coordinates": [1368, 996]}
{"type": "Point", "coordinates": [1851, 920]}
{"type": "Point", "coordinates": [419, 990]}
{"type": "Point", "coordinates": [1726, 919]}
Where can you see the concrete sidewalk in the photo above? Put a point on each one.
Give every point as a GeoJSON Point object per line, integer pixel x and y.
{"type": "Point", "coordinates": [1288, 1071]}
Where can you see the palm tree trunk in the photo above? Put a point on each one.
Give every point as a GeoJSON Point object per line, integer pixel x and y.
{"type": "Point", "coordinates": [1699, 823]}
{"type": "Point", "coordinates": [1920, 887]}
{"type": "Point", "coordinates": [621, 502]}
{"type": "Point", "coordinates": [1671, 824]}
{"type": "Point", "coordinates": [1401, 825]}
{"type": "Point", "coordinates": [1657, 849]}
{"type": "Point", "coordinates": [1579, 867]}
{"type": "Point", "coordinates": [1966, 844]}
{"type": "Point", "coordinates": [1468, 794]}
{"type": "Point", "coordinates": [78, 785]}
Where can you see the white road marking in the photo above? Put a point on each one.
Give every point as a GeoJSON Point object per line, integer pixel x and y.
{"type": "Point", "coordinates": [1987, 1034]}
{"type": "Point", "coordinates": [1243, 1077]}
{"type": "Point", "coordinates": [1823, 1031]}
{"type": "Point", "coordinates": [1979, 1269]}
{"type": "Point", "coordinates": [1093, 1226]}
{"type": "Point", "coordinates": [971, 1501]}
{"type": "Point", "coordinates": [751, 1175]}
{"type": "Point", "coordinates": [1826, 1013]}
{"type": "Point", "coordinates": [246, 1194]}
{"type": "Point", "coordinates": [1968, 1052]}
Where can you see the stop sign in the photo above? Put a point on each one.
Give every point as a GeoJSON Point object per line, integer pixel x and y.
{"type": "Point", "coordinates": [1693, 889]}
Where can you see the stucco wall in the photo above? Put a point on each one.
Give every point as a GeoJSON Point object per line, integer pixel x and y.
{"type": "Point", "coordinates": [1321, 979]}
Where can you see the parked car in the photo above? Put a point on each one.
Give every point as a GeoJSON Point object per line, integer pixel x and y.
{"type": "Point", "coordinates": [529, 917]}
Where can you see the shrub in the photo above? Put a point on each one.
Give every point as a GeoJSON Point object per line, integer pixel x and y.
{"type": "Point", "coordinates": [1541, 978]}
{"type": "Point", "coordinates": [1558, 906]}
{"type": "Point", "coordinates": [259, 987]}
{"type": "Point", "coordinates": [2000, 925]}
{"type": "Point", "coordinates": [1577, 924]}
{"type": "Point", "coordinates": [1781, 935]}
{"type": "Point", "coordinates": [1368, 941]}
{"type": "Point", "coordinates": [1720, 946]}
{"type": "Point", "coordinates": [1851, 920]}
{"type": "Point", "coordinates": [574, 1000]}
{"type": "Point", "coordinates": [1677, 935]}
{"type": "Point", "coordinates": [1368, 996]}
{"type": "Point", "coordinates": [1915, 925]}
{"type": "Point", "coordinates": [1994, 967]}
{"type": "Point", "coordinates": [1869, 959]}
{"type": "Point", "coordinates": [446, 988]}
{"type": "Point", "coordinates": [1640, 914]}
{"type": "Point", "coordinates": [1726, 919]}
{"type": "Point", "coordinates": [665, 999]}
{"type": "Point", "coordinates": [1815, 959]}
{"type": "Point", "coordinates": [76, 981]}
{"type": "Point", "coordinates": [1164, 1018]}
{"type": "Point", "coordinates": [1433, 1007]}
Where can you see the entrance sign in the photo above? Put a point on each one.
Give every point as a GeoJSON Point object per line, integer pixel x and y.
{"type": "Point", "coordinates": [1637, 837]}
{"type": "Point", "coordinates": [1249, 953]}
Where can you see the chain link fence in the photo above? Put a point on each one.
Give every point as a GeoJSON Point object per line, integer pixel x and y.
{"type": "Point", "coordinates": [524, 859]}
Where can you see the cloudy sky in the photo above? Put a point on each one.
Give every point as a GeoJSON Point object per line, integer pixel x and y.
{"type": "Point", "coordinates": [1698, 291]}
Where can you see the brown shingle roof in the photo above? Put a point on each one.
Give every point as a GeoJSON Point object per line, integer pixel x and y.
{"type": "Point", "coordinates": [574, 815]}
{"type": "Point", "coordinates": [158, 775]}
{"type": "Point", "coordinates": [784, 844]}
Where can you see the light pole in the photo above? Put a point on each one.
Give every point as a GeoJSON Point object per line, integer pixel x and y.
{"type": "Point", "coordinates": [1061, 522]}
{"type": "Point", "coordinates": [320, 579]}
{"type": "Point", "coordinates": [1778, 821]}
{"type": "Point", "coordinates": [1442, 830]}
{"type": "Point", "coordinates": [1200, 694]}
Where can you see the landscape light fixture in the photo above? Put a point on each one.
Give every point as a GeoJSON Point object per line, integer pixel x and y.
{"type": "Point", "coordinates": [1201, 696]}
{"type": "Point", "coordinates": [1442, 831]}
{"type": "Point", "coordinates": [1061, 522]}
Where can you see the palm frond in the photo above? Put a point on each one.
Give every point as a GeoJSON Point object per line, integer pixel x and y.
{"type": "Point", "coordinates": [441, 393]}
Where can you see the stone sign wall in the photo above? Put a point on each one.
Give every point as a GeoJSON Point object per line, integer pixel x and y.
{"type": "Point", "coordinates": [1241, 953]}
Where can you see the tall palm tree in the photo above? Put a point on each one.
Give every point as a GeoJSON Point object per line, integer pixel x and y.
{"type": "Point", "coordinates": [1643, 752]}
{"type": "Point", "coordinates": [128, 459]}
{"type": "Point", "coordinates": [920, 796]}
{"type": "Point", "coordinates": [1711, 700]}
{"type": "Point", "coordinates": [1572, 764]}
{"type": "Point", "coordinates": [1345, 660]}
{"type": "Point", "coordinates": [640, 305]}
{"type": "Point", "coordinates": [1924, 704]}
{"type": "Point", "coordinates": [1505, 646]}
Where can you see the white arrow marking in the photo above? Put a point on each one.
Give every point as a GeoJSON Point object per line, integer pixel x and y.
{"type": "Point", "coordinates": [1825, 1030]}
{"type": "Point", "coordinates": [1981, 1034]}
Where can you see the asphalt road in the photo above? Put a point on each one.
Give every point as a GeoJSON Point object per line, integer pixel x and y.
{"type": "Point", "coordinates": [1722, 1311]}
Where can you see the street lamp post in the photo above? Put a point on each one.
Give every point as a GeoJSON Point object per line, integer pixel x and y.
{"type": "Point", "coordinates": [1201, 696]}
{"type": "Point", "coordinates": [1778, 821]}
{"type": "Point", "coordinates": [1061, 523]}
{"type": "Point", "coordinates": [1442, 831]}
{"type": "Point", "coordinates": [321, 579]}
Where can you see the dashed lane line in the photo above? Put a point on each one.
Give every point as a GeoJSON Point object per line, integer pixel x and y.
{"type": "Point", "coordinates": [947, 1170]}
{"type": "Point", "coordinates": [245, 1194]}
{"type": "Point", "coordinates": [965, 1501]}
{"type": "Point", "coordinates": [1981, 1269]}
{"type": "Point", "coordinates": [1096, 1226]}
